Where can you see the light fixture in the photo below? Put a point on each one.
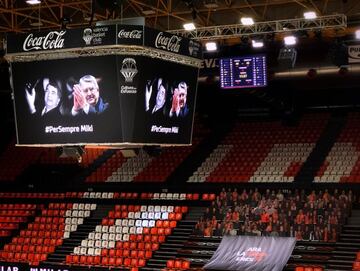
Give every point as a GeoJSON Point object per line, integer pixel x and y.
{"type": "Point", "coordinates": [247, 21]}
{"type": "Point", "coordinates": [211, 46]}
{"type": "Point", "coordinates": [189, 26]}
{"type": "Point", "coordinates": [257, 43]}
{"type": "Point", "coordinates": [33, 2]}
{"type": "Point", "coordinates": [290, 40]}
{"type": "Point", "coordinates": [357, 34]}
{"type": "Point", "coordinates": [310, 15]}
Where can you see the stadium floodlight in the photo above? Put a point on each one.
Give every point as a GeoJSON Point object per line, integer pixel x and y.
{"type": "Point", "coordinates": [257, 43]}
{"type": "Point", "coordinates": [310, 15]}
{"type": "Point", "coordinates": [290, 40]}
{"type": "Point", "coordinates": [357, 34]}
{"type": "Point", "coordinates": [247, 21]}
{"type": "Point", "coordinates": [33, 2]}
{"type": "Point", "coordinates": [189, 26]}
{"type": "Point", "coordinates": [211, 46]}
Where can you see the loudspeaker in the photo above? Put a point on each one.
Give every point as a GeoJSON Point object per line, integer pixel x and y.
{"type": "Point", "coordinates": [287, 58]}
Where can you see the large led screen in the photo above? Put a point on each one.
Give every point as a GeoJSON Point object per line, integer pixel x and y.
{"type": "Point", "coordinates": [164, 101]}
{"type": "Point", "coordinates": [243, 72]}
{"type": "Point", "coordinates": [104, 100]}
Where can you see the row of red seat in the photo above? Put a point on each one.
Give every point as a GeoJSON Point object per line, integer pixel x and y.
{"type": "Point", "coordinates": [308, 268]}
{"type": "Point", "coordinates": [178, 264]}
{"type": "Point", "coordinates": [105, 261]}
{"type": "Point", "coordinates": [29, 248]}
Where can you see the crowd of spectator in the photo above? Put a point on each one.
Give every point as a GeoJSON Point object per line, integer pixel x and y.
{"type": "Point", "coordinates": [305, 216]}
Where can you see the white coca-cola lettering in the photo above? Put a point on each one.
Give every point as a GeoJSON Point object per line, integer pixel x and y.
{"type": "Point", "coordinates": [53, 40]}
{"type": "Point", "coordinates": [134, 34]}
{"type": "Point", "coordinates": [171, 44]}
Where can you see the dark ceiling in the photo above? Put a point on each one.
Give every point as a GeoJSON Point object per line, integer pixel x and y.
{"type": "Point", "coordinates": [18, 16]}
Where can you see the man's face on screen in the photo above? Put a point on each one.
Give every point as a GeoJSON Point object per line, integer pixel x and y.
{"type": "Point", "coordinates": [51, 97]}
{"type": "Point", "coordinates": [91, 93]}
{"type": "Point", "coordinates": [182, 95]}
{"type": "Point", "coordinates": [160, 97]}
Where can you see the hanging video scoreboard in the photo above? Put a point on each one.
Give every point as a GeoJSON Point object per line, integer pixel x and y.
{"type": "Point", "coordinates": [109, 85]}
{"type": "Point", "coordinates": [243, 72]}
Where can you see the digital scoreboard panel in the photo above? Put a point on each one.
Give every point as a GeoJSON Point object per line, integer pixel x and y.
{"type": "Point", "coordinates": [243, 72]}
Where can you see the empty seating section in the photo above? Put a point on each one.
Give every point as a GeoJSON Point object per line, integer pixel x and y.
{"type": "Point", "coordinates": [51, 156]}
{"type": "Point", "coordinates": [211, 162]}
{"type": "Point", "coordinates": [12, 215]}
{"type": "Point", "coordinates": [261, 152]}
{"type": "Point", "coordinates": [105, 171]}
{"type": "Point", "coordinates": [127, 236]}
{"type": "Point", "coordinates": [342, 164]}
{"type": "Point", "coordinates": [130, 168]}
{"type": "Point", "coordinates": [75, 216]}
{"type": "Point", "coordinates": [15, 159]}
{"type": "Point", "coordinates": [45, 233]}
{"type": "Point", "coordinates": [160, 167]}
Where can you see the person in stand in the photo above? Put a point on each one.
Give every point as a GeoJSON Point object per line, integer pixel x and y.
{"type": "Point", "coordinates": [87, 98]}
{"type": "Point", "coordinates": [52, 98]}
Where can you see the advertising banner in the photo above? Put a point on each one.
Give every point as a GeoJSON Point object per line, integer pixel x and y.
{"type": "Point", "coordinates": [102, 36]}
{"type": "Point", "coordinates": [172, 43]}
{"type": "Point", "coordinates": [252, 253]}
{"type": "Point", "coordinates": [354, 54]}
{"type": "Point", "coordinates": [61, 39]}
{"type": "Point", "coordinates": [130, 35]}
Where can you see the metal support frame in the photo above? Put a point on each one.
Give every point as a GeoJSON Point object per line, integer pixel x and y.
{"type": "Point", "coordinates": [103, 50]}
{"type": "Point", "coordinates": [338, 21]}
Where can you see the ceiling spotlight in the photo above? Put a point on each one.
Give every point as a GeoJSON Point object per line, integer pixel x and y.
{"type": "Point", "coordinates": [33, 2]}
{"type": "Point", "coordinates": [290, 40]}
{"type": "Point", "coordinates": [310, 15]}
{"type": "Point", "coordinates": [211, 46]}
{"type": "Point", "coordinates": [257, 43]}
{"type": "Point", "coordinates": [189, 26]}
{"type": "Point", "coordinates": [357, 34]}
{"type": "Point", "coordinates": [247, 21]}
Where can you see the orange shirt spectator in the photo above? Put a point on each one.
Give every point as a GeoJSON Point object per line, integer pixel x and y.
{"type": "Point", "coordinates": [208, 231]}
{"type": "Point", "coordinates": [265, 217]}
{"type": "Point", "coordinates": [300, 218]}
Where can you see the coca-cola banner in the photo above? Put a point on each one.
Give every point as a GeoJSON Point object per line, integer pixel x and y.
{"type": "Point", "coordinates": [61, 39]}
{"type": "Point", "coordinates": [101, 36]}
{"type": "Point", "coordinates": [252, 253]}
{"type": "Point", "coordinates": [130, 34]}
{"type": "Point", "coordinates": [172, 43]}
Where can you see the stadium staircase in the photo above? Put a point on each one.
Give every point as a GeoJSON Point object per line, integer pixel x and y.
{"type": "Point", "coordinates": [81, 233]}
{"type": "Point", "coordinates": [348, 244]}
{"type": "Point", "coordinates": [176, 241]}
{"type": "Point", "coordinates": [316, 158]}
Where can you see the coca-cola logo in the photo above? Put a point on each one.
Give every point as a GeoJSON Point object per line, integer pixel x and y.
{"type": "Point", "coordinates": [134, 34]}
{"type": "Point", "coordinates": [52, 40]}
{"type": "Point", "coordinates": [171, 44]}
